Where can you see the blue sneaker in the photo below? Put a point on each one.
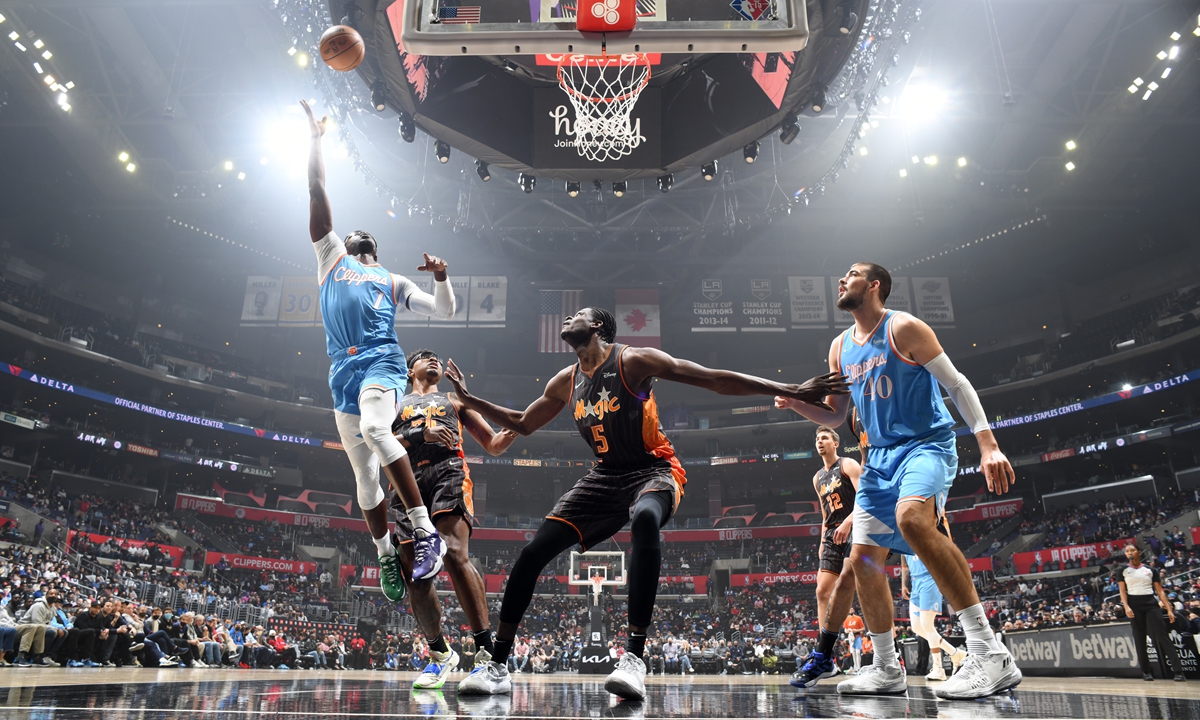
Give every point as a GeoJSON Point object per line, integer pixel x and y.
{"type": "Point", "coordinates": [817, 668]}
{"type": "Point", "coordinates": [90, 663]}
{"type": "Point", "coordinates": [74, 663]}
{"type": "Point", "coordinates": [23, 662]}
{"type": "Point", "coordinates": [428, 550]}
{"type": "Point", "coordinates": [283, 667]}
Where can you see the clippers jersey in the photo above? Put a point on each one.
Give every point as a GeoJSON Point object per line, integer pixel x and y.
{"type": "Point", "coordinates": [897, 399]}
{"type": "Point", "coordinates": [836, 493]}
{"type": "Point", "coordinates": [430, 411]}
{"type": "Point", "coordinates": [358, 302]}
{"type": "Point", "coordinates": [619, 425]}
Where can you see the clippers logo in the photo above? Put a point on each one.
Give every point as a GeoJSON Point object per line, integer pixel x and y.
{"type": "Point", "coordinates": [347, 275]}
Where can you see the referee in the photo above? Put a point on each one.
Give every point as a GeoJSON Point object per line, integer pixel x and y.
{"type": "Point", "coordinates": [1139, 585]}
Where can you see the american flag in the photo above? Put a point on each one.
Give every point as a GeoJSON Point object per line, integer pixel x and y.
{"type": "Point", "coordinates": [556, 305]}
{"type": "Point", "coordinates": [462, 15]}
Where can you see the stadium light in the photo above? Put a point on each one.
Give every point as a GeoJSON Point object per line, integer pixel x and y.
{"type": "Point", "coordinates": [1174, 53]}
{"type": "Point", "coordinates": [123, 157]}
{"type": "Point", "coordinates": [619, 188]}
{"type": "Point", "coordinates": [903, 173]}
{"type": "Point", "coordinates": [1070, 144]}
{"type": "Point", "coordinates": [788, 129]}
{"type": "Point", "coordinates": [750, 152]}
{"type": "Point", "coordinates": [962, 162]}
{"type": "Point", "coordinates": [709, 170]}
{"type": "Point", "coordinates": [379, 96]}
{"type": "Point", "coordinates": [527, 182]}
{"type": "Point", "coordinates": [408, 129]}
{"type": "Point", "coordinates": [481, 169]}
{"type": "Point", "coordinates": [130, 167]}
{"type": "Point", "coordinates": [666, 182]}
{"type": "Point", "coordinates": [442, 149]}
{"type": "Point", "coordinates": [1070, 166]}
{"type": "Point", "coordinates": [572, 188]}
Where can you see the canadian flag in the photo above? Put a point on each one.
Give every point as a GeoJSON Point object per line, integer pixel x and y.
{"type": "Point", "coordinates": [639, 322]}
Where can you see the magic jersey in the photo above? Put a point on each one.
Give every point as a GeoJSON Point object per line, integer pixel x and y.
{"type": "Point", "coordinates": [358, 302]}
{"type": "Point", "coordinates": [836, 494]}
{"type": "Point", "coordinates": [619, 425]}
{"type": "Point", "coordinates": [430, 411]}
{"type": "Point", "coordinates": [897, 399]}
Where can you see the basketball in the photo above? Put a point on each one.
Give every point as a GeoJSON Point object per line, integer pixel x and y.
{"type": "Point", "coordinates": [342, 48]}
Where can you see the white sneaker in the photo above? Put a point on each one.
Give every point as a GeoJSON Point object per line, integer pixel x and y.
{"type": "Point", "coordinates": [488, 678]}
{"type": "Point", "coordinates": [981, 674]}
{"type": "Point", "coordinates": [938, 672]}
{"type": "Point", "coordinates": [628, 679]}
{"type": "Point", "coordinates": [199, 664]}
{"type": "Point", "coordinates": [956, 659]}
{"type": "Point", "coordinates": [436, 670]}
{"type": "Point", "coordinates": [168, 662]}
{"type": "Point", "coordinates": [875, 680]}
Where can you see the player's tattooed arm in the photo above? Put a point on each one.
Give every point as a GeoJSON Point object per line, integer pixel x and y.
{"type": "Point", "coordinates": [320, 214]}
{"type": "Point", "coordinates": [495, 443]}
{"type": "Point", "coordinates": [641, 364]}
{"type": "Point", "coordinates": [540, 412]}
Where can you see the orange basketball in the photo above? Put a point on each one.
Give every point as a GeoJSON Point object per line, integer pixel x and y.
{"type": "Point", "coordinates": [342, 48]}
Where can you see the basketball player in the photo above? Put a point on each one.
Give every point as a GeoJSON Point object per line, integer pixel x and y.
{"type": "Point", "coordinates": [893, 361]}
{"type": "Point", "coordinates": [836, 484]}
{"type": "Point", "coordinates": [358, 308]}
{"type": "Point", "coordinates": [430, 424]}
{"type": "Point", "coordinates": [637, 477]}
{"type": "Point", "coordinates": [924, 605]}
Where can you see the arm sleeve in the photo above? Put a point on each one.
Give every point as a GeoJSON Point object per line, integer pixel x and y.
{"type": "Point", "coordinates": [961, 392]}
{"type": "Point", "coordinates": [440, 304]}
{"type": "Point", "coordinates": [329, 250]}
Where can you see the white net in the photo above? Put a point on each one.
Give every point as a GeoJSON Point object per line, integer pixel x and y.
{"type": "Point", "coordinates": [603, 90]}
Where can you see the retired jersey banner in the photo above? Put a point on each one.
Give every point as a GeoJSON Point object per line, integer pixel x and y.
{"type": "Point", "coordinates": [712, 307]}
{"type": "Point", "coordinates": [1087, 555]}
{"type": "Point", "coordinates": [462, 290]}
{"type": "Point", "coordinates": [933, 304]}
{"type": "Point", "coordinates": [901, 296]}
{"type": "Point", "coordinates": [810, 307]}
{"type": "Point", "coordinates": [488, 304]}
{"type": "Point", "coordinates": [261, 305]}
{"type": "Point", "coordinates": [763, 306]}
{"type": "Point", "coordinates": [300, 303]}
{"type": "Point", "coordinates": [639, 320]}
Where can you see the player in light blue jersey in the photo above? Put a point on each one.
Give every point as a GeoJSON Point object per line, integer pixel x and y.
{"type": "Point", "coordinates": [368, 369]}
{"type": "Point", "coordinates": [924, 605]}
{"type": "Point", "coordinates": [895, 364]}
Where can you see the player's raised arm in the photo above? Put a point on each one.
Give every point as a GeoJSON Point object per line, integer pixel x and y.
{"type": "Point", "coordinates": [495, 443]}
{"type": "Point", "coordinates": [644, 363]}
{"type": "Point", "coordinates": [320, 214]}
{"type": "Point", "coordinates": [441, 303]}
{"type": "Point", "coordinates": [917, 342]}
{"type": "Point", "coordinates": [833, 411]}
{"type": "Point", "coordinates": [540, 411]}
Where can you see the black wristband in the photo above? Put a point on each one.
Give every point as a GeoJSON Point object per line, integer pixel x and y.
{"type": "Point", "coordinates": [414, 435]}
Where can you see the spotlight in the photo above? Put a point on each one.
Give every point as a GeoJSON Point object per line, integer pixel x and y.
{"type": "Point", "coordinates": [572, 188]}
{"type": "Point", "coordinates": [903, 173]}
{"type": "Point", "coordinates": [619, 187]}
{"type": "Point", "coordinates": [665, 182]}
{"type": "Point", "coordinates": [1070, 144]}
{"type": "Point", "coordinates": [228, 164]}
{"type": "Point", "coordinates": [130, 167]}
{"type": "Point", "coordinates": [750, 152]}
{"type": "Point", "coordinates": [442, 150]}
{"type": "Point", "coordinates": [1174, 52]}
{"type": "Point", "coordinates": [849, 20]}
{"type": "Point", "coordinates": [408, 129]}
{"type": "Point", "coordinates": [818, 98]}
{"type": "Point", "coordinates": [527, 182]}
{"type": "Point", "coordinates": [379, 96]}
{"type": "Point", "coordinates": [709, 170]}
{"type": "Point", "coordinates": [123, 157]}
{"type": "Point", "coordinates": [481, 169]}
{"type": "Point", "coordinates": [1070, 166]}
{"type": "Point", "coordinates": [599, 186]}
{"type": "Point", "coordinates": [788, 129]}
{"type": "Point", "coordinates": [962, 162]}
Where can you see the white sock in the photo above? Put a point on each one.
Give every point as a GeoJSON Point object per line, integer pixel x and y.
{"type": "Point", "coordinates": [384, 545]}
{"type": "Point", "coordinates": [980, 638]}
{"type": "Point", "coordinates": [885, 649]}
{"type": "Point", "coordinates": [945, 645]}
{"type": "Point", "coordinates": [419, 516]}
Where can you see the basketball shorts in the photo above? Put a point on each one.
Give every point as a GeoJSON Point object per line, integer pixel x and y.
{"type": "Point", "coordinates": [925, 594]}
{"type": "Point", "coordinates": [445, 487]}
{"type": "Point", "coordinates": [602, 501]}
{"type": "Point", "coordinates": [381, 366]}
{"type": "Point", "coordinates": [920, 468]}
{"type": "Point", "coordinates": [832, 553]}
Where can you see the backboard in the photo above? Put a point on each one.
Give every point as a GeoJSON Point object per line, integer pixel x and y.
{"type": "Point", "coordinates": [587, 565]}
{"type": "Point", "coordinates": [536, 27]}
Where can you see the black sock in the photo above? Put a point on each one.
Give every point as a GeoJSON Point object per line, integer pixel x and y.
{"type": "Point", "coordinates": [439, 645]}
{"type": "Point", "coordinates": [636, 644]}
{"type": "Point", "coordinates": [826, 641]}
{"type": "Point", "coordinates": [503, 648]}
{"type": "Point", "coordinates": [483, 641]}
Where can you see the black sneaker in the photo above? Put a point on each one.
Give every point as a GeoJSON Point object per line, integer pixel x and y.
{"type": "Point", "coordinates": [1179, 677]}
{"type": "Point", "coordinates": [1148, 677]}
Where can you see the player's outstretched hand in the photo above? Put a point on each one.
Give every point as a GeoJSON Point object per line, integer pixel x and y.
{"type": "Point", "coordinates": [814, 390]}
{"type": "Point", "coordinates": [997, 470]}
{"type": "Point", "coordinates": [440, 434]}
{"type": "Point", "coordinates": [433, 264]}
{"type": "Point", "coordinates": [317, 127]}
{"type": "Point", "coordinates": [455, 376]}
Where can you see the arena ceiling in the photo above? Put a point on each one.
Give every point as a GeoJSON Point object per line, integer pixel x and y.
{"type": "Point", "coordinates": [184, 86]}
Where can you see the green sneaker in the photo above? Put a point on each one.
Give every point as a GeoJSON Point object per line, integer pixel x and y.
{"type": "Point", "coordinates": [391, 578]}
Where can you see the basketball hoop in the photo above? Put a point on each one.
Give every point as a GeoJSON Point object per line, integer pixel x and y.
{"type": "Point", "coordinates": [603, 90]}
{"type": "Point", "coordinates": [597, 587]}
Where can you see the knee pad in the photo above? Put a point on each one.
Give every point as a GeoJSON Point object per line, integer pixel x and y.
{"type": "Point", "coordinates": [366, 471]}
{"type": "Point", "coordinates": [378, 408]}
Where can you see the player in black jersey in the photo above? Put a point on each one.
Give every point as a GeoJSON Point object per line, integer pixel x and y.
{"type": "Point", "coordinates": [637, 478]}
{"type": "Point", "coordinates": [836, 484]}
{"type": "Point", "coordinates": [430, 424]}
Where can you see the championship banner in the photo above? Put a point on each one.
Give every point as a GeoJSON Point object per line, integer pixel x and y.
{"type": "Point", "coordinates": [900, 298]}
{"type": "Point", "coordinates": [841, 318]}
{"type": "Point", "coordinates": [408, 318]}
{"type": "Point", "coordinates": [301, 302]}
{"type": "Point", "coordinates": [933, 303]}
{"type": "Point", "coordinates": [261, 304]}
{"type": "Point", "coordinates": [639, 320]}
{"type": "Point", "coordinates": [488, 302]}
{"type": "Point", "coordinates": [985, 511]}
{"type": "Point", "coordinates": [712, 307]}
{"type": "Point", "coordinates": [810, 307]}
{"type": "Point", "coordinates": [763, 305]}
{"type": "Point", "coordinates": [462, 291]}
{"type": "Point", "coordinates": [175, 553]}
{"type": "Point", "coordinates": [250, 562]}
{"type": "Point", "coordinates": [1032, 562]}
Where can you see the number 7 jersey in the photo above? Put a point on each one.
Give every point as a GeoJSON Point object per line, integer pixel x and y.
{"type": "Point", "coordinates": [897, 399]}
